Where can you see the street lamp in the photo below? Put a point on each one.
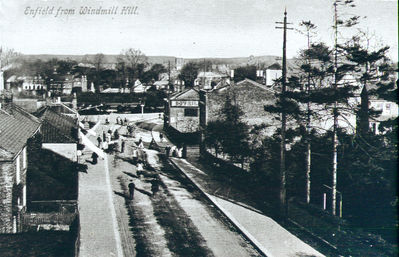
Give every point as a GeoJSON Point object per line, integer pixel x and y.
{"type": "Point", "coordinates": [142, 110]}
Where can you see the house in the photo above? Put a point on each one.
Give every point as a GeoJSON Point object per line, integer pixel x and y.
{"type": "Point", "coordinates": [138, 87]}
{"type": "Point", "coordinates": [59, 131]}
{"type": "Point", "coordinates": [270, 74]}
{"type": "Point", "coordinates": [208, 79]}
{"type": "Point", "coordinates": [16, 128]}
{"type": "Point", "coordinates": [182, 111]}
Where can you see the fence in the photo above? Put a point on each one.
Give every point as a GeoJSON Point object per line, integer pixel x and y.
{"type": "Point", "coordinates": [58, 213]}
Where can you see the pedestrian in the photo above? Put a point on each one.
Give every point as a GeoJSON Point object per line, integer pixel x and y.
{"type": "Point", "coordinates": [105, 146]}
{"type": "Point", "coordinates": [94, 157]}
{"type": "Point", "coordinates": [140, 144]}
{"type": "Point", "coordinates": [123, 146]}
{"type": "Point", "coordinates": [154, 186]}
{"type": "Point", "coordinates": [161, 137]}
{"type": "Point", "coordinates": [180, 152]}
{"type": "Point", "coordinates": [106, 121]}
{"type": "Point", "coordinates": [140, 168]}
{"type": "Point", "coordinates": [104, 136]}
{"type": "Point", "coordinates": [116, 134]}
{"type": "Point", "coordinates": [131, 189]}
{"type": "Point", "coordinates": [174, 151]}
{"type": "Point", "coordinates": [108, 137]}
{"type": "Point", "coordinates": [135, 156]}
{"type": "Point", "coordinates": [152, 144]}
{"type": "Point", "coordinates": [167, 151]}
{"type": "Point", "coordinates": [125, 120]}
{"type": "Point", "coordinates": [99, 141]}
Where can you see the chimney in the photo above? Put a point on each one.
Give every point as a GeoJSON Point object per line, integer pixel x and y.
{"type": "Point", "coordinates": [5, 99]}
{"type": "Point", "coordinates": [1, 80]}
{"type": "Point", "coordinates": [74, 101]}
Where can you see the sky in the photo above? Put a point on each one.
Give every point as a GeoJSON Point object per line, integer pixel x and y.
{"type": "Point", "coordinates": [182, 28]}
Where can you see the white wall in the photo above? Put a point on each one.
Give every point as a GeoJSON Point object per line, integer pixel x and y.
{"type": "Point", "coordinates": [67, 150]}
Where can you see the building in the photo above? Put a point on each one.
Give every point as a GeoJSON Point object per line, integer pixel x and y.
{"type": "Point", "coordinates": [16, 128]}
{"type": "Point", "coordinates": [139, 87]}
{"type": "Point", "coordinates": [59, 131]}
{"type": "Point", "coordinates": [270, 74]}
{"type": "Point", "coordinates": [208, 80]}
{"type": "Point", "coordinates": [182, 112]}
{"type": "Point", "coordinates": [179, 63]}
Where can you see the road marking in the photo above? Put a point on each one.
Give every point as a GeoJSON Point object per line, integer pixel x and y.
{"type": "Point", "coordinates": [112, 207]}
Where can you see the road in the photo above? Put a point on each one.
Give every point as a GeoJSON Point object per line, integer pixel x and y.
{"type": "Point", "coordinates": [176, 220]}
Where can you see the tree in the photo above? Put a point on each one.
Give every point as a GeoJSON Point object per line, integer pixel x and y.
{"type": "Point", "coordinates": [8, 56]}
{"type": "Point", "coordinates": [244, 72]}
{"type": "Point", "coordinates": [98, 61]}
{"type": "Point", "coordinates": [235, 142]}
{"type": "Point", "coordinates": [229, 134]}
{"type": "Point", "coordinates": [309, 29]}
{"type": "Point", "coordinates": [134, 61]}
{"type": "Point", "coordinates": [214, 134]}
{"type": "Point", "coordinates": [189, 73]}
{"type": "Point", "coordinates": [366, 62]}
{"type": "Point", "coordinates": [153, 73]}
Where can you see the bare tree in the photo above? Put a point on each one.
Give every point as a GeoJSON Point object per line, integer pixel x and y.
{"type": "Point", "coordinates": [134, 61]}
{"type": "Point", "coordinates": [7, 56]}
{"type": "Point", "coordinates": [98, 61]}
{"type": "Point", "coordinates": [133, 57]}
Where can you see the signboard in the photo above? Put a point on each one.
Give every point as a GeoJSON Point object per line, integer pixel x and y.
{"type": "Point", "coordinates": [177, 103]}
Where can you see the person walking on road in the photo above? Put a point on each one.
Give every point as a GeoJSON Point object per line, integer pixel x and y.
{"type": "Point", "coordinates": [140, 168]}
{"type": "Point", "coordinates": [135, 156]}
{"type": "Point", "coordinates": [131, 189]}
{"type": "Point", "coordinates": [99, 141]}
{"type": "Point", "coordinates": [140, 144]}
{"type": "Point", "coordinates": [94, 157]}
{"type": "Point", "coordinates": [122, 146]}
{"type": "Point", "coordinates": [104, 136]}
{"type": "Point", "coordinates": [154, 186]}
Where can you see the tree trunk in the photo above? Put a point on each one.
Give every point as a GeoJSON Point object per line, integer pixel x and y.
{"type": "Point", "coordinates": [308, 163]}
{"type": "Point", "coordinates": [364, 111]}
{"type": "Point", "coordinates": [335, 163]}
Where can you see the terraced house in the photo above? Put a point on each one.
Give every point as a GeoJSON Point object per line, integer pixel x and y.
{"type": "Point", "coordinates": [16, 127]}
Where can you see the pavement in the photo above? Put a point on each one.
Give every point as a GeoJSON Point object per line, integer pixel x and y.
{"type": "Point", "coordinates": [266, 234]}
{"type": "Point", "coordinates": [99, 230]}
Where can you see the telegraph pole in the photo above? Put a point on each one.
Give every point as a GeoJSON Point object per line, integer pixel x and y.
{"type": "Point", "coordinates": [168, 76]}
{"type": "Point", "coordinates": [282, 196]}
{"type": "Point", "coordinates": [335, 113]}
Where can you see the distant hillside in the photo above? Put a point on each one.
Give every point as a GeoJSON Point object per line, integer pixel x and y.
{"type": "Point", "coordinates": [266, 60]}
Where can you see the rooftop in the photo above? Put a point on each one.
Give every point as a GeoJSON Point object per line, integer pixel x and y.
{"type": "Point", "coordinates": [16, 127]}
{"type": "Point", "coordinates": [57, 128]}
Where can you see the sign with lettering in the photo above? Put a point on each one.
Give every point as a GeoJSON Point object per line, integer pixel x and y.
{"type": "Point", "coordinates": [177, 103]}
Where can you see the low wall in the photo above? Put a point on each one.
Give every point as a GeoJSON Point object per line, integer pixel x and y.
{"type": "Point", "coordinates": [129, 116]}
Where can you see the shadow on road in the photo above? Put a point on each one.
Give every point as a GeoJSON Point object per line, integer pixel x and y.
{"type": "Point", "coordinates": [122, 194]}
{"type": "Point", "coordinates": [143, 191]}
{"type": "Point", "coordinates": [130, 174]}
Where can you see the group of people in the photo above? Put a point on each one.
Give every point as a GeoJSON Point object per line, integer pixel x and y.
{"type": "Point", "coordinates": [121, 121]}
{"type": "Point", "coordinates": [105, 141]}
{"type": "Point", "coordinates": [176, 151]}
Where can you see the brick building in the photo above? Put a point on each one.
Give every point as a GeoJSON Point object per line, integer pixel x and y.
{"type": "Point", "coordinates": [182, 111]}
{"type": "Point", "coordinates": [16, 127]}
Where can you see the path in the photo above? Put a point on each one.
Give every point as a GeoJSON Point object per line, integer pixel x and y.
{"type": "Point", "coordinates": [99, 233]}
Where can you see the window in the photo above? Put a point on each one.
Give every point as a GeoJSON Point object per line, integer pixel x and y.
{"type": "Point", "coordinates": [190, 112]}
{"type": "Point", "coordinates": [24, 158]}
{"type": "Point", "coordinates": [24, 196]}
{"type": "Point", "coordinates": [17, 170]}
